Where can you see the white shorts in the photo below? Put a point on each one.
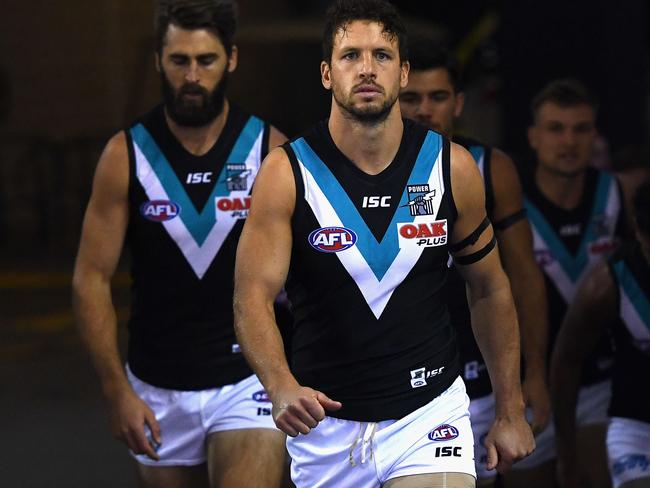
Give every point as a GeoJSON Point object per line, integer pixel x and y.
{"type": "Point", "coordinates": [628, 450]}
{"type": "Point", "coordinates": [435, 438]}
{"type": "Point", "coordinates": [591, 409]}
{"type": "Point", "coordinates": [186, 418]}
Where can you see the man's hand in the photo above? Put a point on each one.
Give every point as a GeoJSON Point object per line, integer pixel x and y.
{"type": "Point", "coordinates": [508, 440]}
{"type": "Point", "coordinates": [298, 409]}
{"type": "Point", "coordinates": [537, 399]}
{"type": "Point", "coordinates": [129, 414]}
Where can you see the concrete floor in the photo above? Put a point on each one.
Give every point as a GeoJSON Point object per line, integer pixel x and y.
{"type": "Point", "coordinates": [52, 418]}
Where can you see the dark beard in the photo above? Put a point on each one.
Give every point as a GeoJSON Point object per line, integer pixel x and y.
{"type": "Point", "coordinates": [366, 117]}
{"type": "Point", "coordinates": [194, 114]}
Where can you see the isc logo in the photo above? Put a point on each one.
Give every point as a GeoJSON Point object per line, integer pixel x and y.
{"type": "Point", "coordinates": [374, 202]}
{"type": "Point", "coordinates": [448, 451]}
{"type": "Point", "coordinates": [194, 178]}
{"type": "Point", "coordinates": [429, 234]}
{"type": "Point", "coordinates": [332, 239]}
{"type": "Point", "coordinates": [160, 210]}
{"type": "Point", "coordinates": [444, 432]}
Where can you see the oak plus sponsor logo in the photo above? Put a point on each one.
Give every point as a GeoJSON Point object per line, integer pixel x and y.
{"type": "Point", "coordinates": [422, 234]}
{"type": "Point", "coordinates": [419, 376]}
{"type": "Point", "coordinates": [332, 239]}
{"type": "Point", "coordinates": [236, 208]}
{"type": "Point", "coordinates": [160, 210]}
{"type": "Point", "coordinates": [544, 257]}
{"type": "Point", "coordinates": [442, 433]}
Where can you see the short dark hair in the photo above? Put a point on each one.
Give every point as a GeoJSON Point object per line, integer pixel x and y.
{"type": "Point", "coordinates": [342, 12]}
{"type": "Point", "coordinates": [566, 92]}
{"type": "Point", "coordinates": [641, 208]}
{"type": "Point", "coordinates": [426, 53]}
{"type": "Point", "coordinates": [218, 16]}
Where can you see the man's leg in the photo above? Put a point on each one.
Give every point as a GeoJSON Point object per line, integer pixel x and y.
{"type": "Point", "coordinates": [172, 476]}
{"type": "Point", "coordinates": [436, 480]}
{"type": "Point", "coordinates": [541, 476]}
{"type": "Point", "coordinates": [246, 458]}
{"type": "Point", "coordinates": [592, 455]}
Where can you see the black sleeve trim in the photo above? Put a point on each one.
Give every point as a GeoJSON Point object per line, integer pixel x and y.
{"type": "Point", "coordinates": [478, 255]}
{"type": "Point", "coordinates": [472, 238]}
{"type": "Point", "coordinates": [297, 177]}
{"type": "Point", "coordinates": [510, 220]}
{"type": "Point", "coordinates": [446, 175]}
{"type": "Point", "coordinates": [265, 141]}
{"type": "Point", "coordinates": [487, 179]}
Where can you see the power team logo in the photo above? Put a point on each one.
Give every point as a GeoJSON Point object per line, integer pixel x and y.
{"type": "Point", "coordinates": [160, 210]}
{"type": "Point", "coordinates": [429, 234]}
{"type": "Point", "coordinates": [332, 239]}
{"type": "Point", "coordinates": [237, 177]}
{"type": "Point", "coordinates": [444, 432]}
{"type": "Point", "coordinates": [420, 199]}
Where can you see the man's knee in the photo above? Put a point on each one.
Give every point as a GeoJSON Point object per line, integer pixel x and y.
{"type": "Point", "coordinates": [435, 480]}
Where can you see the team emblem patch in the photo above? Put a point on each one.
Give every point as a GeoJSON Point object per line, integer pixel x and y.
{"type": "Point", "coordinates": [423, 234]}
{"type": "Point", "coordinates": [332, 239]}
{"type": "Point", "coordinates": [237, 177]}
{"type": "Point", "coordinates": [444, 432]}
{"type": "Point", "coordinates": [420, 199]}
{"type": "Point", "coordinates": [160, 210]}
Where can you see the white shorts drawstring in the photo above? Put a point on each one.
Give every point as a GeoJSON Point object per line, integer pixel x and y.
{"type": "Point", "coordinates": [366, 440]}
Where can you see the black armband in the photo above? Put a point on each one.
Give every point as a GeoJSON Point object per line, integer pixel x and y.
{"type": "Point", "coordinates": [510, 220]}
{"type": "Point", "coordinates": [478, 255]}
{"type": "Point", "coordinates": [472, 238]}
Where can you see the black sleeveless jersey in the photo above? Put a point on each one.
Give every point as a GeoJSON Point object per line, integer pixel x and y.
{"type": "Point", "coordinates": [186, 215]}
{"type": "Point", "coordinates": [475, 371]}
{"type": "Point", "coordinates": [367, 272]}
{"type": "Point", "coordinates": [630, 393]}
{"type": "Point", "coordinates": [567, 243]}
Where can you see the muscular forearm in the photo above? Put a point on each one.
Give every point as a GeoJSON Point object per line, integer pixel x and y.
{"type": "Point", "coordinates": [97, 323]}
{"type": "Point", "coordinates": [261, 342]}
{"type": "Point", "coordinates": [565, 384]}
{"type": "Point", "coordinates": [495, 327]}
{"type": "Point", "coordinates": [529, 294]}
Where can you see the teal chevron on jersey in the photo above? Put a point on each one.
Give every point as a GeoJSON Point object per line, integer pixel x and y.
{"type": "Point", "coordinates": [378, 255]}
{"type": "Point", "coordinates": [631, 289]}
{"type": "Point", "coordinates": [199, 223]}
{"type": "Point", "coordinates": [573, 265]}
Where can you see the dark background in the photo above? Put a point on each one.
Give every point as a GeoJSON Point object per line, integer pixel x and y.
{"type": "Point", "coordinates": [74, 72]}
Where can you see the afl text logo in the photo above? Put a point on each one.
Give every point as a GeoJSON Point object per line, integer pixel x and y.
{"type": "Point", "coordinates": [332, 239]}
{"type": "Point", "coordinates": [160, 210]}
{"type": "Point", "coordinates": [444, 432]}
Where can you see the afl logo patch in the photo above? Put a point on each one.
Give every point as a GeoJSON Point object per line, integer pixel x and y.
{"type": "Point", "coordinates": [332, 239]}
{"type": "Point", "coordinates": [160, 210]}
{"type": "Point", "coordinates": [444, 432]}
{"type": "Point", "coordinates": [261, 396]}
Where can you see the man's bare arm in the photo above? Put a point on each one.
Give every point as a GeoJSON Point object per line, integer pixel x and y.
{"type": "Point", "coordinates": [593, 307]}
{"type": "Point", "coordinates": [526, 281]}
{"type": "Point", "coordinates": [263, 258]}
{"type": "Point", "coordinates": [276, 138]}
{"type": "Point", "coordinates": [102, 238]}
{"type": "Point", "coordinates": [494, 320]}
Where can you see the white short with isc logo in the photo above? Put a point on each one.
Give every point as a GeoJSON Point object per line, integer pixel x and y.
{"type": "Point", "coordinates": [435, 438]}
{"type": "Point", "coordinates": [628, 450]}
{"type": "Point", "coordinates": [186, 418]}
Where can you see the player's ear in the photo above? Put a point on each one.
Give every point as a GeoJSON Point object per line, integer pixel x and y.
{"type": "Point", "coordinates": [404, 74]}
{"type": "Point", "coordinates": [532, 136]}
{"type": "Point", "coordinates": [459, 104]}
{"type": "Point", "coordinates": [157, 61]}
{"type": "Point", "coordinates": [233, 59]}
{"type": "Point", "coordinates": [325, 75]}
